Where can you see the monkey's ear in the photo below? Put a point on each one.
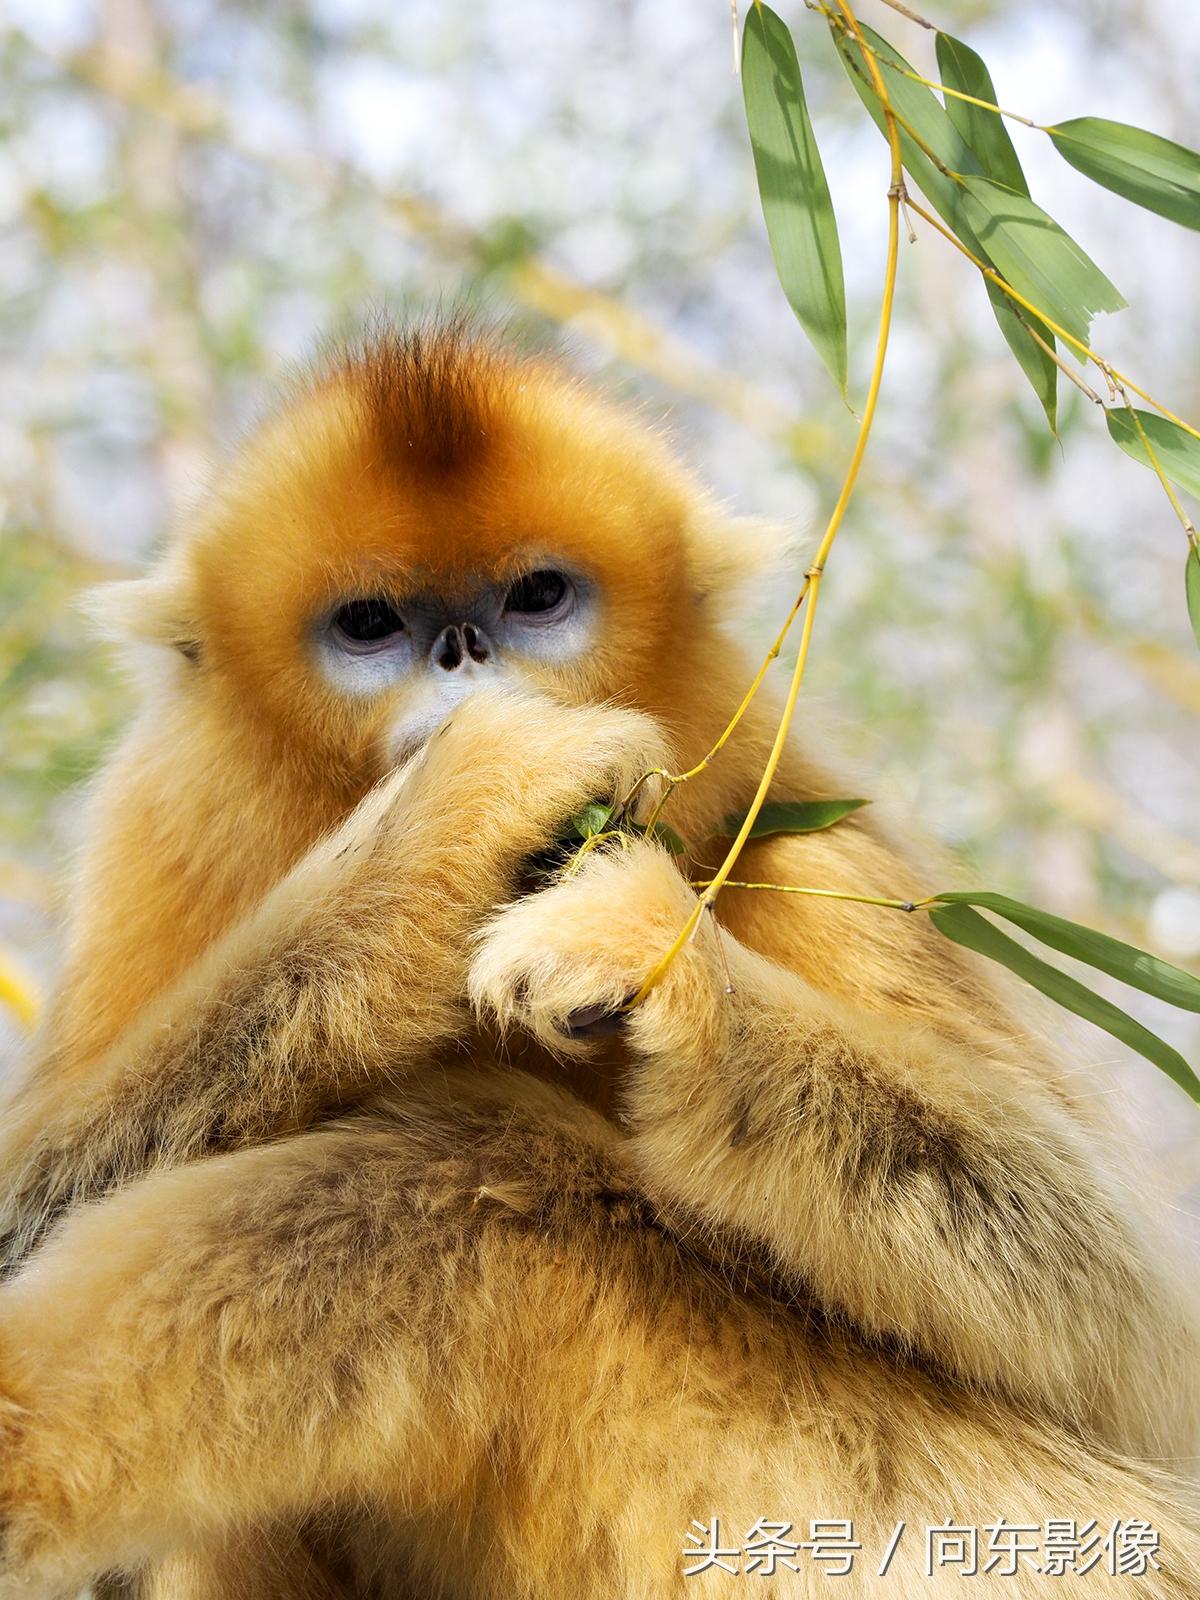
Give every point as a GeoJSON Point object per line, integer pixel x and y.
{"type": "Point", "coordinates": [153, 611]}
{"type": "Point", "coordinates": [738, 563]}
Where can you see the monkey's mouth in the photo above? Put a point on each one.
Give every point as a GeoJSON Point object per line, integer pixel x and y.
{"type": "Point", "coordinates": [408, 737]}
{"type": "Point", "coordinates": [426, 711]}
{"type": "Point", "coordinates": [404, 746]}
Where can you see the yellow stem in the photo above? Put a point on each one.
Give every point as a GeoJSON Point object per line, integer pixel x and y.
{"type": "Point", "coordinates": [1081, 384]}
{"type": "Point", "coordinates": [1084, 350]}
{"type": "Point", "coordinates": [926, 150]}
{"type": "Point", "coordinates": [585, 849]}
{"type": "Point", "coordinates": [942, 88]}
{"type": "Point", "coordinates": [959, 94]}
{"type": "Point", "coordinates": [813, 585]}
{"type": "Point", "coordinates": [1184, 519]}
{"type": "Point", "coordinates": [820, 894]}
{"type": "Point", "coordinates": [673, 779]}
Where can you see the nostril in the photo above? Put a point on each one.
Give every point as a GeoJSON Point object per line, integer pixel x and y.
{"type": "Point", "coordinates": [477, 647]}
{"type": "Point", "coordinates": [447, 649]}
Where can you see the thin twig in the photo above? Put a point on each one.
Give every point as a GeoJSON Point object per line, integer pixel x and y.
{"type": "Point", "coordinates": [1112, 374]}
{"type": "Point", "coordinates": [672, 779]}
{"type": "Point", "coordinates": [913, 16]}
{"type": "Point", "coordinates": [823, 894]}
{"type": "Point", "coordinates": [1080, 383]}
{"type": "Point", "coordinates": [957, 94]}
{"type": "Point", "coordinates": [719, 941]}
{"type": "Point", "coordinates": [836, 23]}
{"type": "Point", "coordinates": [815, 572]}
{"type": "Point", "coordinates": [1168, 487]}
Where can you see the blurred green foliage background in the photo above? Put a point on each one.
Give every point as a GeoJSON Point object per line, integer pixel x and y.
{"type": "Point", "coordinates": [193, 194]}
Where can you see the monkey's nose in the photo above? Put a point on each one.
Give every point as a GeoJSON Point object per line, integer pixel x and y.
{"type": "Point", "coordinates": [456, 645]}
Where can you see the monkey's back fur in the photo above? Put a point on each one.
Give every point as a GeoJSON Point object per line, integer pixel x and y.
{"type": "Point", "coordinates": [347, 1261]}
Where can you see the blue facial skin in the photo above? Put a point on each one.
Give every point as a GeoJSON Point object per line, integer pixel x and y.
{"type": "Point", "coordinates": [439, 648]}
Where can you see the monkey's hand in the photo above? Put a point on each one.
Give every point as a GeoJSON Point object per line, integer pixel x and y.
{"type": "Point", "coordinates": [351, 971]}
{"type": "Point", "coordinates": [563, 964]}
{"type": "Point", "coordinates": [937, 1200]}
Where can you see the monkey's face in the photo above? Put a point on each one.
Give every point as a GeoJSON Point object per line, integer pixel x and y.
{"type": "Point", "coordinates": [430, 520]}
{"type": "Point", "coordinates": [422, 649]}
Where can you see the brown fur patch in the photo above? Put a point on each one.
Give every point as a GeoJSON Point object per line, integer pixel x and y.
{"type": "Point", "coordinates": [431, 393]}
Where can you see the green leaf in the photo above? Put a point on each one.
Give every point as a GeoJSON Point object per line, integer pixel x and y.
{"type": "Point", "coordinates": [1032, 252]}
{"type": "Point", "coordinates": [792, 816]}
{"type": "Point", "coordinates": [960, 68]}
{"type": "Point", "coordinates": [924, 113]}
{"type": "Point", "coordinates": [1177, 451]}
{"type": "Point", "coordinates": [987, 136]}
{"type": "Point", "coordinates": [1191, 579]}
{"type": "Point", "coordinates": [1135, 967]}
{"type": "Point", "coordinates": [792, 184]}
{"type": "Point", "coordinates": [920, 108]}
{"type": "Point", "coordinates": [1153, 172]}
{"type": "Point", "coordinates": [1014, 322]}
{"type": "Point", "coordinates": [967, 927]}
{"type": "Point", "coordinates": [597, 818]}
{"type": "Point", "coordinates": [593, 819]}
{"type": "Point", "coordinates": [664, 835]}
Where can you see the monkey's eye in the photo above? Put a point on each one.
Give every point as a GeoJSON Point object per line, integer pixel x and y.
{"type": "Point", "coordinates": [368, 624]}
{"type": "Point", "coordinates": [538, 594]}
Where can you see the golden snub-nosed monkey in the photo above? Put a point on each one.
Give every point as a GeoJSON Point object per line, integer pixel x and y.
{"type": "Point", "coordinates": [345, 1259]}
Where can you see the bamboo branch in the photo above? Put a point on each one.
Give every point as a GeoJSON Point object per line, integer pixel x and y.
{"type": "Point", "coordinates": [812, 586]}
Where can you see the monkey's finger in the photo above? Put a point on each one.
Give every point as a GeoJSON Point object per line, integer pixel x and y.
{"type": "Point", "coordinates": [598, 1021]}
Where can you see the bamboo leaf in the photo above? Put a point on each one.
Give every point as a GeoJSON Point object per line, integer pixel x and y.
{"type": "Point", "coordinates": [986, 135]}
{"type": "Point", "coordinates": [792, 816]}
{"type": "Point", "coordinates": [1153, 172]}
{"type": "Point", "coordinates": [993, 219]}
{"type": "Point", "coordinates": [795, 194]}
{"type": "Point", "coordinates": [966, 927]}
{"type": "Point", "coordinates": [1177, 451]}
{"type": "Point", "coordinates": [924, 113]}
{"type": "Point", "coordinates": [593, 819]}
{"type": "Point", "coordinates": [664, 835]}
{"type": "Point", "coordinates": [1014, 324]}
{"type": "Point", "coordinates": [1033, 253]}
{"type": "Point", "coordinates": [597, 818]}
{"type": "Point", "coordinates": [1191, 578]}
{"type": "Point", "coordinates": [1138, 968]}
{"type": "Point", "coordinates": [984, 131]}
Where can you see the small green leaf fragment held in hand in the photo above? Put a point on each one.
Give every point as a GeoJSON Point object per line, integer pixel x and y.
{"type": "Point", "coordinates": [955, 917]}
{"type": "Point", "coordinates": [792, 816]}
{"type": "Point", "coordinates": [596, 819]}
{"type": "Point", "coordinates": [795, 194]}
{"type": "Point", "coordinates": [593, 819]}
{"type": "Point", "coordinates": [1153, 172]}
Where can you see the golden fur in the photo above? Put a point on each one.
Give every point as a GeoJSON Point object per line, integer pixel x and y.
{"type": "Point", "coordinates": [342, 1268]}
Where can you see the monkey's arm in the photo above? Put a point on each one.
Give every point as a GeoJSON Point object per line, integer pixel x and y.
{"type": "Point", "coordinates": [245, 1340]}
{"type": "Point", "coordinates": [940, 1199]}
{"type": "Point", "coordinates": [352, 970]}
